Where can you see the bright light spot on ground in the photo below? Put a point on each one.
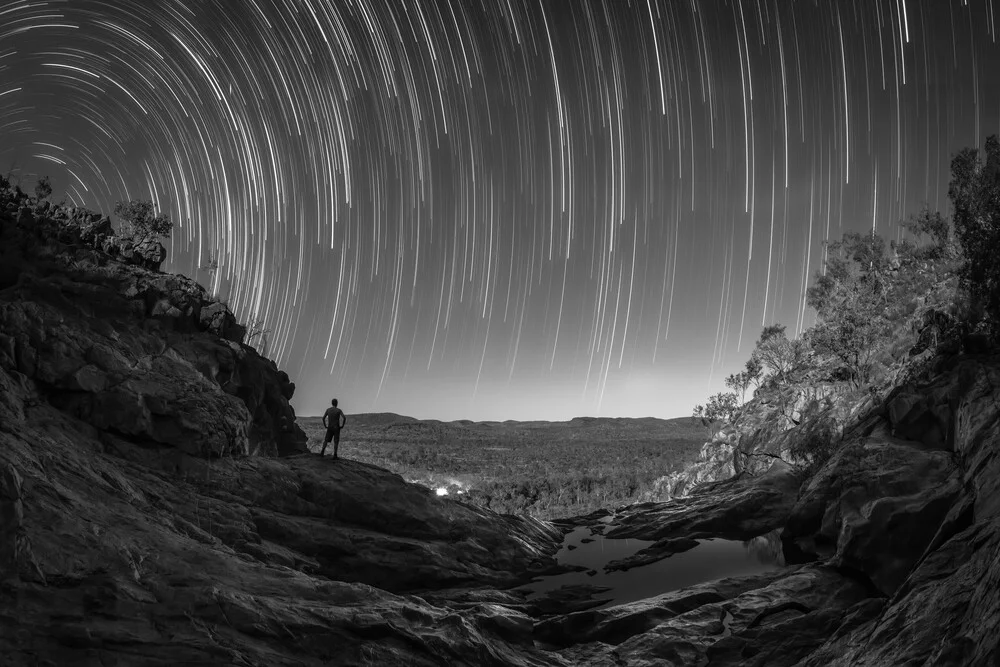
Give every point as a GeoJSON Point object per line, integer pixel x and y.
{"type": "Point", "coordinates": [441, 491]}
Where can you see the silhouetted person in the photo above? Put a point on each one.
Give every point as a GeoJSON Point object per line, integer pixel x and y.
{"type": "Point", "coordinates": [334, 419]}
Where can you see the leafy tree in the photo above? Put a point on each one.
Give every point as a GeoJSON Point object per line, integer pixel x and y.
{"type": "Point", "coordinates": [140, 224]}
{"type": "Point", "coordinates": [975, 196]}
{"type": "Point", "coordinates": [777, 355]}
{"type": "Point", "coordinates": [851, 299]}
{"type": "Point", "coordinates": [722, 408]}
{"type": "Point", "coordinates": [857, 267]}
{"type": "Point", "coordinates": [750, 375]}
{"type": "Point", "coordinates": [934, 227]}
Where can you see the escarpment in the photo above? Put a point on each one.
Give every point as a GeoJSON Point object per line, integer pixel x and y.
{"type": "Point", "coordinates": [149, 359]}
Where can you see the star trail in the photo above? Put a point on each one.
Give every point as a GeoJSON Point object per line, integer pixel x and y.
{"type": "Point", "coordinates": [502, 209]}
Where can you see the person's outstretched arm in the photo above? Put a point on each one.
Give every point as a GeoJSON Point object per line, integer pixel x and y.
{"type": "Point", "coordinates": [343, 420]}
{"type": "Point", "coordinates": [325, 415]}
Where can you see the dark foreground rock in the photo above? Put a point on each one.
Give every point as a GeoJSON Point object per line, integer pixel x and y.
{"type": "Point", "coordinates": [247, 561]}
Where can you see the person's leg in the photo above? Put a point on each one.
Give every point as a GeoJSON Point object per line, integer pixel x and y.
{"type": "Point", "coordinates": [336, 442]}
{"type": "Point", "coordinates": [326, 441]}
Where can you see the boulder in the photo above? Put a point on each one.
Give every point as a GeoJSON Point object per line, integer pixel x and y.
{"type": "Point", "coordinates": [150, 254]}
{"type": "Point", "coordinates": [217, 319]}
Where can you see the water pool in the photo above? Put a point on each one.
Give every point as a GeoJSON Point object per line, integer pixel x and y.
{"type": "Point", "coordinates": [712, 559]}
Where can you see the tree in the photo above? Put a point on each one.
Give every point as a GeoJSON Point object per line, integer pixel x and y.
{"type": "Point", "coordinates": [974, 191]}
{"type": "Point", "coordinates": [852, 299]}
{"type": "Point", "coordinates": [857, 266]}
{"type": "Point", "coordinates": [139, 224]}
{"type": "Point", "coordinates": [855, 338]}
{"type": "Point", "coordinates": [776, 354]}
{"type": "Point", "coordinates": [722, 407]}
{"type": "Point", "coordinates": [935, 228]}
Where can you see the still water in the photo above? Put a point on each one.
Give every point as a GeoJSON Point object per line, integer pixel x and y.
{"type": "Point", "coordinates": [710, 560]}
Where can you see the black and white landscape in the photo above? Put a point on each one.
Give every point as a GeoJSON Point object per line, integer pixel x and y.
{"type": "Point", "coordinates": [661, 332]}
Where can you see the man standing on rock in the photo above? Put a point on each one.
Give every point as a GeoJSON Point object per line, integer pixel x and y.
{"type": "Point", "coordinates": [334, 419]}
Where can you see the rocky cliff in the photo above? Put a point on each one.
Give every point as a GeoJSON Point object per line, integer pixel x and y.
{"type": "Point", "coordinates": [158, 506]}
{"type": "Point", "coordinates": [146, 520]}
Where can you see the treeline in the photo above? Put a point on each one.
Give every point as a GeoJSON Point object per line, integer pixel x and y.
{"type": "Point", "coordinates": [550, 473]}
{"type": "Point", "coordinates": [547, 480]}
{"type": "Point", "coordinates": [560, 495]}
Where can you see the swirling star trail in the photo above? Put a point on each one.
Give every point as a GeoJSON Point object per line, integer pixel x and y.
{"type": "Point", "coordinates": [504, 209]}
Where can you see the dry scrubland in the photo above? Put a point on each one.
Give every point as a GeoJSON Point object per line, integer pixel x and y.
{"type": "Point", "coordinates": [546, 469]}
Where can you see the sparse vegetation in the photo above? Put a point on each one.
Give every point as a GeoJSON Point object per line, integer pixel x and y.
{"type": "Point", "coordinates": [257, 331]}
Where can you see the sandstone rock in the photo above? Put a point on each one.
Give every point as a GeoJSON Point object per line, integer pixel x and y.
{"type": "Point", "coordinates": [775, 618]}
{"type": "Point", "coordinates": [875, 506]}
{"type": "Point", "coordinates": [92, 344]}
{"type": "Point", "coordinates": [735, 509]}
{"type": "Point", "coordinates": [217, 319]}
{"type": "Point", "coordinates": [657, 551]}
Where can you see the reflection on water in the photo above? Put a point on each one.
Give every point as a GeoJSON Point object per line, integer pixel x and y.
{"type": "Point", "coordinates": [710, 560]}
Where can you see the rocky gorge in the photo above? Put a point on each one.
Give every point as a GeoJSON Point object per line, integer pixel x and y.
{"type": "Point", "coordinates": [160, 506]}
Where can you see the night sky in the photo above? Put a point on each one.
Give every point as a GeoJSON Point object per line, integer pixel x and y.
{"type": "Point", "coordinates": [502, 209]}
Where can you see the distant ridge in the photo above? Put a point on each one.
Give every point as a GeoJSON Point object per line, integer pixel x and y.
{"type": "Point", "coordinates": [389, 418]}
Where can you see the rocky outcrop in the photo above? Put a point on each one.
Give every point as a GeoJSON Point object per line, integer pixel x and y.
{"type": "Point", "coordinates": [715, 462]}
{"type": "Point", "coordinates": [738, 509]}
{"type": "Point", "coordinates": [140, 523]}
{"type": "Point", "coordinates": [874, 508]}
{"type": "Point", "coordinates": [147, 358]}
{"type": "Point", "coordinates": [947, 610]}
{"type": "Point", "coordinates": [246, 560]}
